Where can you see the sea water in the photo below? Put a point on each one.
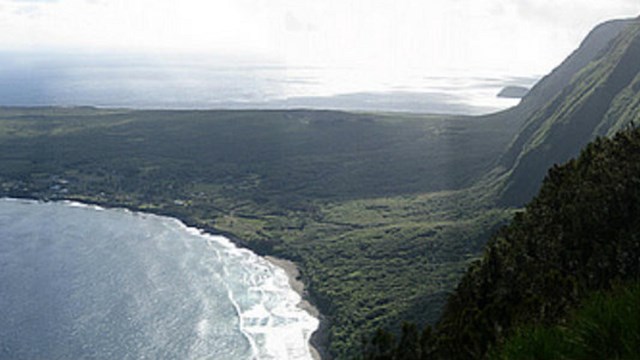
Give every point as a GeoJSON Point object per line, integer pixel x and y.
{"type": "Point", "coordinates": [79, 281]}
{"type": "Point", "coordinates": [215, 82]}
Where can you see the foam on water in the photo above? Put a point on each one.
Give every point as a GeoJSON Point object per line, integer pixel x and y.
{"type": "Point", "coordinates": [131, 285]}
{"type": "Point", "coordinates": [83, 205]}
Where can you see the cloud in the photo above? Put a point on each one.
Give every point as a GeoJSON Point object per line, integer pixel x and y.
{"type": "Point", "coordinates": [575, 13]}
{"type": "Point", "coordinates": [294, 24]}
{"type": "Point", "coordinates": [28, 11]}
{"type": "Point", "coordinates": [517, 36]}
{"type": "Point", "coordinates": [34, 1]}
{"type": "Point", "coordinates": [136, 25]}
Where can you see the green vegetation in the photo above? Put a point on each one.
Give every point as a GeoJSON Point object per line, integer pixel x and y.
{"type": "Point", "coordinates": [607, 326]}
{"type": "Point", "coordinates": [579, 235]}
{"type": "Point", "coordinates": [365, 204]}
{"type": "Point", "coordinates": [600, 100]}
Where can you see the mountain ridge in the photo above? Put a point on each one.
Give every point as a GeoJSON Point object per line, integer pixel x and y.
{"type": "Point", "coordinates": [552, 84]}
{"type": "Point", "coordinates": [578, 235]}
{"type": "Point", "coordinates": [580, 112]}
{"type": "Point", "coordinates": [589, 49]}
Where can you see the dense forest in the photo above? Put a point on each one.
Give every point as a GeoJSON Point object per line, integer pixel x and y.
{"type": "Point", "coordinates": [533, 293]}
{"type": "Point", "coordinates": [579, 235]}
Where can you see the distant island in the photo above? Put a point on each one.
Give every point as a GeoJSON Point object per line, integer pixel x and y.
{"type": "Point", "coordinates": [513, 92]}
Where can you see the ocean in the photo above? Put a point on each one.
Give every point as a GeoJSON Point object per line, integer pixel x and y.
{"type": "Point", "coordinates": [218, 82]}
{"type": "Point", "coordinates": [79, 281]}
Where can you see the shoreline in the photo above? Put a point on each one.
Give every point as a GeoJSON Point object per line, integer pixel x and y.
{"type": "Point", "coordinates": [318, 352]}
{"type": "Point", "coordinates": [317, 340]}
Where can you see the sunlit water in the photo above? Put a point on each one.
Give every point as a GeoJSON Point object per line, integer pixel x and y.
{"type": "Point", "coordinates": [211, 82]}
{"type": "Point", "coordinates": [83, 282]}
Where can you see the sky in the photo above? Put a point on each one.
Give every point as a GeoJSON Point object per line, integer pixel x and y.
{"type": "Point", "coordinates": [521, 37]}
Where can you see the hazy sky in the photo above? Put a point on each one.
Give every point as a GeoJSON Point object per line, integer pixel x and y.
{"type": "Point", "coordinates": [513, 36]}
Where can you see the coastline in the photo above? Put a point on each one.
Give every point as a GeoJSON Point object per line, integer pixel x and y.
{"type": "Point", "coordinates": [317, 341]}
{"type": "Point", "coordinates": [318, 352]}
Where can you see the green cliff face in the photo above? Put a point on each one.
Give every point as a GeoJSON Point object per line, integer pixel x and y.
{"type": "Point", "coordinates": [601, 99]}
{"type": "Point", "coordinates": [550, 86]}
{"type": "Point", "coordinates": [592, 47]}
{"type": "Point", "coordinates": [580, 234]}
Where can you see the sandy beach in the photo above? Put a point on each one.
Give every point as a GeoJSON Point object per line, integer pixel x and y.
{"type": "Point", "coordinates": [293, 273]}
